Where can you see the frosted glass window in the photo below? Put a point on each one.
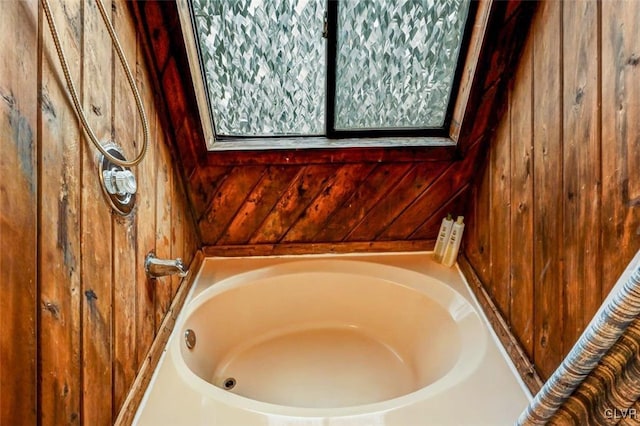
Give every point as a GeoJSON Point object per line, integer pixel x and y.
{"type": "Point", "coordinates": [268, 75]}
{"type": "Point", "coordinates": [264, 65]}
{"type": "Point", "coordinates": [396, 62]}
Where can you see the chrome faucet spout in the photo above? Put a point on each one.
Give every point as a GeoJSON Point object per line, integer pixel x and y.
{"type": "Point", "coordinates": [156, 268]}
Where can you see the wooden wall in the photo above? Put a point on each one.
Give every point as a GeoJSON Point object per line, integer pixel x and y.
{"type": "Point", "coordinates": [77, 313]}
{"type": "Point", "coordinates": [296, 200]}
{"type": "Point", "coordinates": [555, 216]}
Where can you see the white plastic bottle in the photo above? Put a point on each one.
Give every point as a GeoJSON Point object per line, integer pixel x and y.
{"type": "Point", "coordinates": [453, 245]}
{"type": "Point", "coordinates": [443, 238]}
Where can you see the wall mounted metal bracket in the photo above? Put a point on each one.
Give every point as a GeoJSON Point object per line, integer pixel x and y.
{"type": "Point", "coordinates": [118, 183]}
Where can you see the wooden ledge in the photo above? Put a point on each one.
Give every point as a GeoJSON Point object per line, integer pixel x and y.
{"type": "Point", "coordinates": [511, 345]}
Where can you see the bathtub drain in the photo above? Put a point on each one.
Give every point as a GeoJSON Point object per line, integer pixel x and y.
{"type": "Point", "coordinates": [229, 383]}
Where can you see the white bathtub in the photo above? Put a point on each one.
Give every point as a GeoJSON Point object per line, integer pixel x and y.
{"type": "Point", "coordinates": [331, 341]}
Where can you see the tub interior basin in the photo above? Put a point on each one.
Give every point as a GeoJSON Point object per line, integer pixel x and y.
{"type": "Point", "coordinates": [326, 336]}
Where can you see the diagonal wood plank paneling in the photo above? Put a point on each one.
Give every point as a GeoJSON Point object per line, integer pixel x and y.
{"type": "Point", "coordinates": [396, 200]}
{"type": "Point", "coordinates": [260, 202]}
{"type": "Point", "coordinates": [227, 201]}
{"type": "Point", "coordinates": [425, 204]}
{"type": "Point", "coordinates": [456, 204]}
{"type": "Point", "coordinates": [205, 186]}
{"type": "Point", "coordinates": [363, 198]}
{"type": "Point", "coordinates": [307, 184]}
{"type": "Point", "coordinates": [329, 200]}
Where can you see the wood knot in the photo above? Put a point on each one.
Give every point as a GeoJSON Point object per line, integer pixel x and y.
{"type": "Point", "coordinates": [52, 308]}
{"type": "Point", "coordinates": [90, 295]}
{"type": "Point", "coordinates": [579, 95]}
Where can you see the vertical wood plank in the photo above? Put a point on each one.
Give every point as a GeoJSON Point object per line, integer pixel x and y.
{"type": "Point", "coordinates": [500, 219]}
{"type": "Point", "coordinates": [146, 213]}
{"type": "Point", "coordinates": [18, 211]}
{"type": "Point", "coordinates": [177, 227]}
{"type": "Point", "coordinates": [521, 226]}
{"type": "Point", "coordinates": [164, 171]}
{"type": "Point", "coordinates": [476, 245]}
{"type": "Point", "coordinates": [97, 244]}
{"type": "Point", "coordinates": [191, 239]}
{"type": "Point", "coordinates": [581, 168]}
{"type": "Point", "coordinates": [547, 195]}
{"type": "Point", "coordinates": [60, 253]}
{"type": "Point", "coordinates": [125, 229]}
{"type": "Point", "coordinates": [620, 141]}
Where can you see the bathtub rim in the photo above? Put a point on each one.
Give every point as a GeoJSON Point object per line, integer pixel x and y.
{"type": "Point", "coordinates": [470, 357]}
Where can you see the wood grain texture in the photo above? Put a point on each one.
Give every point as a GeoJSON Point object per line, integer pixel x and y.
{"type": "Point", "coordinates": [18, 213]}
{"type": "Point", "coordinates": [125, 229]}
{"type": "Point", "coordinates": [521, 311]}
{"type": "Point", "coordinates": [97, 231]}
{"type": "Point", "coordinates": [60, 236]}
{"type": "Point", "coordinates": [303, 188]}
{"type": "Point", "coordinates": [476, 244]}
{"type": "Point", "coordinates": [317, 248]}
{"type": "Point", "coordinates": [378, 183]}
{"type": "Point", "coordinates": [204, 186]}
{"type": "Point", "coordinates": [493, 203]}
{"type": "Point", "coordinates": [455, 205]}
{"type": "Point", "coordinates": [470, 65]}
{"type": "Point", "coordinates": [549, 214]}
{"type": "Point", "coordinates": [446, 193]}
{"type": "Point", "coordinates": [332, 200]}
{"type": "Point", "coordinates": [620, 81]}
{"type": "Point", "coordinates": [77, 311]}
{"type": "Point", "coordinates": [441, 191]}
{"type": "Point", "coordinates": [164, 221]}
{"type": "Point", "coordinates": [345, 180]}
{"type": "Point", "coordinates": [570, 137]}
{"type": "Point", "coordinates": [258, 204]}
{"type": "Point", "coordinates": [500, 215]}
{"type": "Point", "coordinates": [581, 168]}
{"type": "Point", "coordinates": [395, 201]}
{"type": "Point", "coordinates": [228, 199]}
{"type": "Point", "coordinates": [146, 218]}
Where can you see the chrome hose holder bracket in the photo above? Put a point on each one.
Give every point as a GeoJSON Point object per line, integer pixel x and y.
{"type": "Point", "coordinates": [118, 183]}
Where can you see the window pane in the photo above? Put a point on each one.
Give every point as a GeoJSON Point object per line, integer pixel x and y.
{"type": "Point", "coordinates": [396, 62]}
{"type": "Point", "coordinates": [264, 62]}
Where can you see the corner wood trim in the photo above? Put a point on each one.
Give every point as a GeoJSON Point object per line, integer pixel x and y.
{"type": "Point", "coordinates": [317, 248]}
{"type": "Point", "coordinates": [519, 357]}
{"type": "Point", "coordinates": [148, 367]}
